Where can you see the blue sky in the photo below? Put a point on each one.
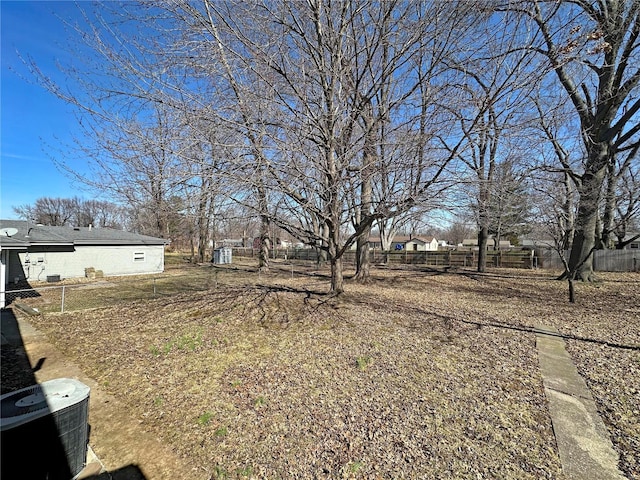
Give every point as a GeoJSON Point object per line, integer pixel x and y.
{"type": "Point", "coordinates": [35, 126]}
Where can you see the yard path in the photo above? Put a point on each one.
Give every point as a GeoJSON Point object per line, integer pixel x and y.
{"type": "Point", "coordinates": [120, 442]}
{"type": "Point", "coordinates": [582, 438]}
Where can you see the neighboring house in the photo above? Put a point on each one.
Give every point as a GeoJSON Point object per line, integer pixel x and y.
{"type": "Point", "coordinates": [415, 244]}
{"type": "Point", "coordinates": [229, 242]}
{"type": "Point", "coordinates": [419, 244]}
{"type": "Point", "coordinates": [473, 243]}
{"type": "Point", "coordinates": [550, 244]}
{"type": "Point", "coordinates": [538, 243]}
{"type": "Point", "coordinates": [633, 245]}
{"type": "Point", "coordinates": [374, 243]}
{"type": "Point", "coordinates": [279, 243]}
{"type": "Point", "coordinates": [39, 253]}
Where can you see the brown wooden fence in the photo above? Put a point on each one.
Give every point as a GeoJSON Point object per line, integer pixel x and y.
{"type": "Point", "coordinates": [441, 258]}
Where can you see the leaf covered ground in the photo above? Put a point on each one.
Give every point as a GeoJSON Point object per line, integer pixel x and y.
{"type": "Point", "coordinates": [418, 374]}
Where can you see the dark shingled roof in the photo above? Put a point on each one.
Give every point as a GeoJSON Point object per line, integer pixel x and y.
{"type": "Point", "coordinates": [31, 234]}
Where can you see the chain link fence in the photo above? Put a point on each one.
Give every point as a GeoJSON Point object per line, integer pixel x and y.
{"type": "Point", "coordinates": [111, 291]}
{"type": "Point", "coordinates": [119, 290]}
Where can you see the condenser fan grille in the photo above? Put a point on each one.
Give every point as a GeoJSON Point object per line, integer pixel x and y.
{"type": "Point", "coordinates": [23, 402]}
{"type": "Point", "coordinates": [44, 430]}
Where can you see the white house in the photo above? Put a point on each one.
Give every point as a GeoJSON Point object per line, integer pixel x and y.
{"type": "Point", "coordinates": [415, 244]}
{"type": "Point", "coordinates": [634, 244]}
{"type": "Point", "coordinates": [30, 252]}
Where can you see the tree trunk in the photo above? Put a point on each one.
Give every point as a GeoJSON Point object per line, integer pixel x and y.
{"type": "Point", "coordinates": [212, 252]}
{"type": "Point", "coordinates": [212, 228]}
{"type": "Point", "coordinates": [363, 264]}
{"type": "Point", "coordinates": [386, 235]}
{"type": "Point", "coordinates": [322, 249]}
{"type": "Point", "coordinates": [568, 222]}
{"type": "Point", "coordinates": [584, 240]}
{"type": "Point", "coordinates": [366, 199]}
{"type": "Point", "coordinates": [202, 245]}
{"type": "Point", "coordinates": [483, 235]}
{"type": "Point", "coordinates": [606, 238]}
{"type": "Point", "coordinates": [203, 232]}
{"type": "Point", "coordinates": [572, 290]}
{"type": "Point", "coordinates": [202, 221]}
{"type": "Point", "coordinates": [337, 279]}
{"type": "Point", "coordinates": [265, 241]}
{"type": "Point", "coordinates": [265, 224]}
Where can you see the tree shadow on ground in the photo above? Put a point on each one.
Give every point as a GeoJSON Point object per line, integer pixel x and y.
{"type": "Point", "coordinates": [449, 320]}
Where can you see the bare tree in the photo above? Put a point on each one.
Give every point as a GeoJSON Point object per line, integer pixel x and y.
{"type": "Point", "coordinates": [322, 118]}
{"type": "Point", "coordinates": [401, 126]}
{"type": "Point", "coordinates": [457, 232]}
{"type": "Point", "coordinates": [627, 217]}
{"type": "Point", "coordinates": [50, 211]}
{"type": "Point", "coordinates": [619, 187]}
{"type": "Point", "coordinates": [323, 71]}
{"type": "Point", "coordinates": [591, 50]}
{"type": "Point", "coordinates": [130, 102]}
{"type": "Point", "coordinates": [559, 156]}
{"type": "Point", "coordinates": [494, 81]}
{"type": "Point", "coordinates": [510, 203]}
{"type": "Point", "coordinates": [76, 212]}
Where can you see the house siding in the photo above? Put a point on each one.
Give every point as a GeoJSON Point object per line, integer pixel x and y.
{"type": "Point", "coordinates": [71, 263]}
{"type": "Point", "coordinates": [421, 245]}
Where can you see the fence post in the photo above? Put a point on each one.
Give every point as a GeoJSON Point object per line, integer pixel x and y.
{"type": "Point", "coordinates": [62, 301]}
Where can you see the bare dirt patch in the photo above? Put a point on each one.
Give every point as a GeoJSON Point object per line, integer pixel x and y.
{"type": "Point", "coordinates": [419, 374]}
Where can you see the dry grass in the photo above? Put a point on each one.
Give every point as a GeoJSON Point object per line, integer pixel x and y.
{"type": "Point", "coordinates": [417, 375]}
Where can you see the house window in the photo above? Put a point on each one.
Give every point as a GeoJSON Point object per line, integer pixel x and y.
{"type": "Point", "coordinates": [415, 247]}
{"type": "Point", "coordinates": [634, 245]}
{"type": "Point", "coordinates": [138, 256]}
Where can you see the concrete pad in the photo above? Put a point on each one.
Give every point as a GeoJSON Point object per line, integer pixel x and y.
{"type": "Point", "coordinates": [586, 452]}
{"type": "Point", "coordinates": [93, 466]}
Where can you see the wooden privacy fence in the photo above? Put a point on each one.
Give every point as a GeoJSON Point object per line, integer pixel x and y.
{"type": "Point", "coordinates": [603, 260]}
{"type": "Point", "coordinates": [441, 258]}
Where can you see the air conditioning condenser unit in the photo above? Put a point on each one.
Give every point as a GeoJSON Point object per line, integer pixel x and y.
{"type": "Point", "coordinates": [45, 430]}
